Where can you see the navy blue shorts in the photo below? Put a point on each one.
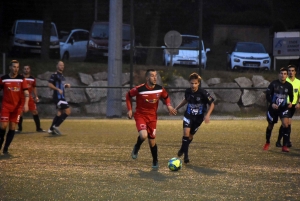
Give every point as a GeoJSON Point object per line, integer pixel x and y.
{"type": "Point", "coordinates": [193, 123]}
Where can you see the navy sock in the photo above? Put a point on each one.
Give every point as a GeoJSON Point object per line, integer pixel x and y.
{"type": "Point", "coordinates": [37, 122]}
{"type": "Point", "coordinates": [154, 152]}
{"type": "Point", "coordinates": [268, 135]}
{"type": "Point", "coordinates": [285, 132]}
{"type": "Point", "coordinates": [9, 138]}
{"type": "Point", "coordinates": [61, 119]}
{"type": "Point", "coordinates": [20, 123]}
{"type": "Point", "coordinates": [279, 134]}
{"type": "Point", "coordinates": [2, 134]}
{"type": "Point", "coordinates": [54, 121]}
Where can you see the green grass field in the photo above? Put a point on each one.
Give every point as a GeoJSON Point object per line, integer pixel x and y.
{"type": "Point", "coordinates": [91, 161]}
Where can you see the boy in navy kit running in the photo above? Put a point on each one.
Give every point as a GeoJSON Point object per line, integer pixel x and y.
{"type": "Point", "coordinates": [195, 113]}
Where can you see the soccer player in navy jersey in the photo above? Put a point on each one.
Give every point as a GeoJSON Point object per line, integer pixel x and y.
{"type": "Point", "coordinates": [13, 102]}
{"type": "Point", "coordinates": [147, 99]}
{"type": "Point", "coordinates": [196, 112]}
{"type": "Point", "coordinates": [280, 97]}
{"type": "Point", "coordinates": [57, 83]}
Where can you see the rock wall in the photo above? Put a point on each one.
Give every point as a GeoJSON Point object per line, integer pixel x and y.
{"type": "Point", "coordinates": [87, 98]}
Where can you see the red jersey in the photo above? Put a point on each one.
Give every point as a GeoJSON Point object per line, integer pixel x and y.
{"type": "Point", "coordinates": [13, 91]}
{"type": "Point", "coordinates": [31, 83]}
{"type": "Point", "coordinates": [147, 98]}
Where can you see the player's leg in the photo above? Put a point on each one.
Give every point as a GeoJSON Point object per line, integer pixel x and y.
{"type": "Point", "coordinates": [142, 130]}
{"type": "Point", "coordinates": [66, 111]}
{"type": "Point", "coordinates": [291, 114]}
{"type": "Point", "coordinates": [20, 125]}
{"type": "Point", "coordinates": [272, 119]}
{"type": "Point", "coordinates": [4, 123]}
{"type": "Point", "coordinates": [13, 121]}
{"type": "Point", "coordinates": [278, 143]}
{"type": "Point", "coordinates": [285, 131]}
{"type": "Point", "coordinates": [33, 109]}
{"type": "Point", "coordinates": [151, 129]}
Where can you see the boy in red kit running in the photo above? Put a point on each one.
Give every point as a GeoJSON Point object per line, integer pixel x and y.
{"type": "Point", "coordinates": [13, 86]}
{"type": "Point", "coordinates": [147, 99]}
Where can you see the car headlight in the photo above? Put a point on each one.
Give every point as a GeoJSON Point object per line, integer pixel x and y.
{"type": "Point", "coordinates": [92, 44]}
{"type": "Point", "coordinates": [17, 40]}
{"type": "Point", "coordinates": [54, 43]}
{"type": "Point", "coordinates": [236, 60]}
{"type": "Point", "coordinates": [266, 61]}
{"type": "Point", "coordinates": [127, 47]}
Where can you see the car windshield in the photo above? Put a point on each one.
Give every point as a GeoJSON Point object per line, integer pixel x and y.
{"type": "Point", "coordinates": [33, 28]}
{"type": "Point", "coordinates": [64, 36]}
{"type": "Point", "coordinates": [101, 31]}
{"type": "Point", "coordinates": [190, 42]}
{"type": "Point", "coordinates": [250, 48]}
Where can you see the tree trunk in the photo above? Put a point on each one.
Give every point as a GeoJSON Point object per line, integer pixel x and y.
{"type": "Point", "coordinates": [153, 37]}
{"type": "Point", "coordinates": [47, 18]}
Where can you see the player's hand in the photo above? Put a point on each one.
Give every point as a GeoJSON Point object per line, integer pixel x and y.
{"type": "Point", "coordinates": [67, 85]}
{"type": "Point", "coordinates": [290, 105]}
{"type": "Point", "coordinates": [297, 106]}
{"type": "Point", "coordinates": [172, 111]}
{"type": "Point", "coordinates": [129, 114]}
{"type": "Point", "coordinates": [26, 108]}
{"type": "Point", "coordinates": [60, 91]}
{"type": "Point", "coordinates": [274, 106]}
{"type": "Point", "coordinates": [37, 99]}
{"type": "Point", "coordinates": [206, 119]}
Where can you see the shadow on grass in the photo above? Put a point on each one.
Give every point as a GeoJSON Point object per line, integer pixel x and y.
{"type": "Point", "coordinates": [7, 156]}
{"type": "Point", "coordinates": [203, 170]}
{"type": "Point", "coordinates": [154, 175]}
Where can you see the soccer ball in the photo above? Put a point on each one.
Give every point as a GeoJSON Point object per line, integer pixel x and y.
{"type": "Point", "coordinates": [174, 164]}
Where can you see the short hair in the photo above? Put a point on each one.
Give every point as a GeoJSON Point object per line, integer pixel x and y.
{"type": "Point", "coordinates": [13, 62]}
{"type": "Point", "coordinates": [148, 72]}
{"type": "Point", "coordinates": [283, 69]}
{"type": "Point", "coordinates": [292, 66]}
{"type": "Point", "coordinates": [195, 76]}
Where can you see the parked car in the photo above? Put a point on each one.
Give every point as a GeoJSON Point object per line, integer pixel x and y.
{"type": "Point", "coordinates": [26, 38]}
{"type": "Point", "coordinates": [187, 57]}
{"type": "Point", "coordinates": [248, 55]}
{"type": "Point", "coordinates": [73, 44]}
{"type": "Point", "coordinates": [97, 45]}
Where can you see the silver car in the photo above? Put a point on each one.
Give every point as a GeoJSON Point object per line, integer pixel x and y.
{"type": "Point", "coordinates": [73, 44]}
{"type": "Point", "coordinates": [248, 55]}
{"type": "Point", "coordinates": [187, 57]}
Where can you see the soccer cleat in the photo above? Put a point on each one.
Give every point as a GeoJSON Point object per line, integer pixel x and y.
{"type": "Point", "coordinates": [56, 130]}
{"type": "Point", "coordinates": [278, 144]}
{"type": "Point", "coordinates": [155, 165]}
{"type": "Point", "coordinates": [289, 144]}
{"type": "Point", "coordinates": [134, 153]}
{"type": "Point", "coordinates": [285, 149]}
{"type": "Point", "coordinates": [180, 153]}
{"type": "Point", "coordinates": [186, 160]}
{"type": "Point", "coordinates": [5, 150]}
{"type": "Point", "coordinates": [41, 130]}
{"type": "Point", "coordinates": [18, 131]}
{"type": "Point", "coordinates": [266, 147]}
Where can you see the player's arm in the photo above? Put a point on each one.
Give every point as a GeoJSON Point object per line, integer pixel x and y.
{"type": "Point", "coordinates": [26, 95]}
{"type": "Point", "coordinates": [291, 96]}
{"type": "Point", "coordinates": [207, 116]}
{"type": "Point", "coordinates": [129, 95]}
{"type": "Point", "coordinates": [183, 102]}
{"type": "Point", "coordinates": [51, 86]}
{"type": "Point", "coordinates": [167, 100]}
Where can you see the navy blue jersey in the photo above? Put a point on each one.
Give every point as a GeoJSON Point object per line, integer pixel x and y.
{"type": "Point", "coordinates": [197, 101]}
{"type": "Point", "coordinates": [278, 93]}
{"type": "Point", "coordinates": [59, 81]}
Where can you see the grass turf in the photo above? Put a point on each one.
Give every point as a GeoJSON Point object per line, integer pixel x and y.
{"type": "Point", "coordinates": [91, 161]}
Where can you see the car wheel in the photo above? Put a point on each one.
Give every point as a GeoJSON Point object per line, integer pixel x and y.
{"type": "Point", "coordinates": [65, 56]}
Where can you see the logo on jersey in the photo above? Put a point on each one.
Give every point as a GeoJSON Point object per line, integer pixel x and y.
{"type": "Point", "coordinates": [16, 89]}
{"type": "Point", "coordinates": [295, 90]}
{"type": "Point", "coordinates": [143, 126]}
{"type": "Point", "coordinates": [151, 100]}
{"type": "Point", "coordinates": [286, 90]}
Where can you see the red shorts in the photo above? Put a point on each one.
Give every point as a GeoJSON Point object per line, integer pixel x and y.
{"type": "Point", "coordinates": [31, 105]}
{"type": "Point", "coordinates": [10, 116]}
{"type": "Point", "coordinates": [144, 122]}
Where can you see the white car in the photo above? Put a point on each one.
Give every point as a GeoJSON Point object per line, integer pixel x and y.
{"type": "Point", "coordinates": [187, 57]}
{"type": "Point", "coordinates": [248, 55]}
{"type": "Point", "coordinates": [73, 44]}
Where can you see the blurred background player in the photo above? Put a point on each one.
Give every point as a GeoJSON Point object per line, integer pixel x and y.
{"type": "Point", "coordinates": [195, 113]}
{"type": "Point", "coordinates": [31, 86]}
{"type": "Point", "coordinates": [280, 97]}
{"type": "Point", "coordinates": [147, 99]}
{"type": "Point", "coordinates": [295, 104]}
{"type": "Point", "coordinates": [57, 83]}
{"type": "Point", "coordinates": [13, 102]}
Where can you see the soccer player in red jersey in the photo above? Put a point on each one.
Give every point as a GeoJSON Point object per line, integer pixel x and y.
{"type": "Point", "coordinates": [31, 85]}
{"type": "Point", "coordinates": [147, 99]}
{"type": "Point", "coordinates": [13, 102]}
